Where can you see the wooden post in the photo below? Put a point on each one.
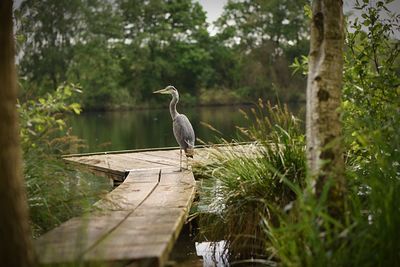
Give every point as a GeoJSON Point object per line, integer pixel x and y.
{"type": "Point", "coordinates": [15, 246]}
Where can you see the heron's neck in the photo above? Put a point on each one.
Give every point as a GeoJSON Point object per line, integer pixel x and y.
{"type": "Point", "coordinates": [172, 106]}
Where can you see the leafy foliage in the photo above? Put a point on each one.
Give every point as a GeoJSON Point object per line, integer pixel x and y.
{"type": "Point", "coordinates": [253, 22]}
{"type": "Point", "coordinates": [45, 32]}
{"type": "Point", "coordinates": [266, 35]}
{"type": "Point", "coordinates": [41, 118]}
{"type": "Point", "coordinates": [372, 88]}
{"type": "Point", "coordinates": [121, 51]}
{"type": "Point", "coordinates": [365, 235]}
{"type": "Point", "coordinates": [56, 192]}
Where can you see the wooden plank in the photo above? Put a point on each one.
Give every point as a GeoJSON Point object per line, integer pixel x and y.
{"type": "Point", "coordinates": [119, 163]}
{"type": "Point", "coordinates": [197, 147]}
{"type": "Point", "coordinates": [98, 166]}
{"type": "Point", "coordinates": [154, 158]}
{"type": "Point", "coordinates": [166, 154]}
{"type": "Point", "coordinates": [110, 162]}
{"type": "Point", "coordinates": [157, 169]}
{"type": "Point", "coordinates": [127, 196]}
{"type": "Point", "coordinates": [169, 175]}
{"type": "Point", "coordinates": [156, 224]}
{"type": "Point", "coordinates": [124, 162]}
{"type": "Point", "coordinates": [68, 242]}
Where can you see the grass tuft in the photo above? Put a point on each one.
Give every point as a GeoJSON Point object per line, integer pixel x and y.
{"type": "Point", "coordinates": [248, 179]}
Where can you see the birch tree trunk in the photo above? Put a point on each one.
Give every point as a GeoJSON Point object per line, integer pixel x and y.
{"type": "Point", "coordinates": [15, 245]}
{"type": "Point", "coordinates": [324, 84]}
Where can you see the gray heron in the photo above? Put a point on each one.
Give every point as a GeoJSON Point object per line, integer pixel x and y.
{"type": "Point", "coordinates": [183, 130]}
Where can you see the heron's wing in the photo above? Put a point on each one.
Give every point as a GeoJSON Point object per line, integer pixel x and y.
{"type": "Point", "coordinates": [183, 131]}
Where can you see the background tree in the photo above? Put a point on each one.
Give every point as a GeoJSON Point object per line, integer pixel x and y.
{"type": "Point", "coordinates": [15, 246]}
{"type": "Point", "coordinates": [166, 44]}
{"type": "Point", "coordinates": [96, 61]}
{"type": "Point", "coordinates": [324, 85]}
{"type": "Point", "coordinates": [120, 51]}
{"type": "Point", "coordinates": [49, 30]}
{"type": "Point", "coordinates": [267, 35]}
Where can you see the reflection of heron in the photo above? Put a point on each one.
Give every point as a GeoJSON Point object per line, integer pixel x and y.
{"type": "Point", "coordinates": [183, 130]}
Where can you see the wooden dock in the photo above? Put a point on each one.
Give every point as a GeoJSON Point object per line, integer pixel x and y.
{"type": "Point", "coordinates": [136, 224]}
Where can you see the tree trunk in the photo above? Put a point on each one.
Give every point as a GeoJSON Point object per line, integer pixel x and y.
{"type": "Point", "coordinates": [324, 151]}
{"type": "Point", "coordinates": [15, 245]}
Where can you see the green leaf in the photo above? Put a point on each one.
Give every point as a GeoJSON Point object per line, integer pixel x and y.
{"type": "Point", "coordinates": [67, 90]}
{"type": "Point", "coordinates": [308, 11]}
{"type": "Point", "coordinates": [76, 108]}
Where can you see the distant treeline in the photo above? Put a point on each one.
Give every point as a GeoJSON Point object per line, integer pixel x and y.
{"type": "Point", "coordinates": [120, 51]}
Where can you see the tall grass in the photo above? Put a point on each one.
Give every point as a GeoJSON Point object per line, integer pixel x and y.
{"type": "Point", "coordinates": [250, 178]}
{"type": "Point", "coordinates": [265, 207]}
{"type": "Point", "coordinates": [366, 235]}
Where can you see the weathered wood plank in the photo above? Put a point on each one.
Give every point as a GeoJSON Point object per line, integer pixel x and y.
{"type": "Point", "coordinates": [68, 242]}
{"type": "Point", "coordinates": [166, 154]}
{"type": "Point", "coordinates": [128, 197]}
{"type": "Point", "coordinates": [121, 161]}
{"type": "Point", "coordinates": [114, 162]}
{"type": "Point", "coordinates": [154, 158]}
{"type": "Point", "coordinates": [155, 224]}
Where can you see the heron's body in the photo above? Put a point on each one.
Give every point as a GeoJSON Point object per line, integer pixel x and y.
{"type": "Point", "coordinates": [184, 134]}
{"type": "Point", "coordinates": [182, 128]}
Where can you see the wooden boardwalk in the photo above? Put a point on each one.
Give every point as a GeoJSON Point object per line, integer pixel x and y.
{"type": "Point", "coordinates": [137, 223]}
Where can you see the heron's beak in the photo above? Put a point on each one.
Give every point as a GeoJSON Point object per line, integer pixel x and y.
{"type": "Point", "coordinates": [162, 91]}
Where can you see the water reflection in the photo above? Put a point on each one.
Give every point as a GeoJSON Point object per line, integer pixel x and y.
{"type": "Point", "coordinates": [213, 253]}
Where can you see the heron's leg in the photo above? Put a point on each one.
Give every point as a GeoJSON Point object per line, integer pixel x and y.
{"type": "Point", "coordinates": [180, 161]}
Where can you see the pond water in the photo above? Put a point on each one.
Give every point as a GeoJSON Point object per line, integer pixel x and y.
{"type": "Point", "coordinates": [124, 130]}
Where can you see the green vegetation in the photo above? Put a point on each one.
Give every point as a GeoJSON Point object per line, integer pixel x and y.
{"type": "Point", "coordinates": [291, 225]}
{"type": "Point", "coordinates": [120, 51]}
{"type": "Point", "coordinates": [251, 180]}
{"type": "Point", "coordinates": [262, 201]}
{"type": "Point", "coordinates": [56, 192]}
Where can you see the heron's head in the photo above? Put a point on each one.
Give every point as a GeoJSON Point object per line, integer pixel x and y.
{"type": "Point", "coordinates": [170, 90]}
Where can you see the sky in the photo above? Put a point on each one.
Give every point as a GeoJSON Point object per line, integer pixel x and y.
{"type": "Point", "coordinates": [213, 8]}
